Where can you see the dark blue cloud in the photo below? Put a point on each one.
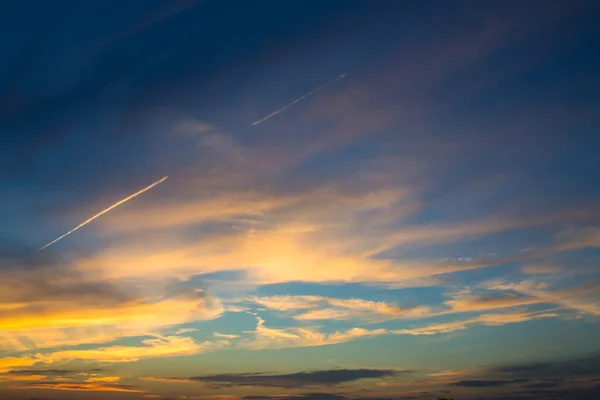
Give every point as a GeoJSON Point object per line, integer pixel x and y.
{"type": "Point", "coordinates": [473, 383]}
{"type": "Point", "coordinates": [541, 385]}
{"type": "Point", "coordinates": [560, 369]}
{"type": "Point", "coordinates": [304, 396]}
{"type": "Point", "coordinates": [298, 379]}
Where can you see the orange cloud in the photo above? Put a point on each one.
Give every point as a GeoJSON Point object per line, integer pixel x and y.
{"type": "Point", "coordinates": [17, 378]}
{"type": "Point", "coordinates": [155, 379]}
{"type": "Point", "coordinates": [81, 387]}
{"type": "Point", "coordinates": [169, 346]}
{"type": "Point", "coordinates": [468, 302]}
{"type": "Point", "coordinates": [8, 363]}
{"type": "Point", "coordinates": [108, 379]}
{"type": "Point", "coordinates": [61, 325]}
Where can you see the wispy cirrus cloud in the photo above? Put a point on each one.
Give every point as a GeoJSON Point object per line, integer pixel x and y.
{"type": "Point", "coordinates": [467, 301]}
{"type": "Point", "coordinates": [581, 297]}
{"type": "Point", "coordinates": [81, 387]}
{"type": "Point", "coordinates": [30, 375]}
{"type": "Point", "coordinates": [169, 346]}
{"type": "Point", "coordinates": [265, 337]}
{"type": "Point", "coordinates": [225, 335]}
{"type": "Point", "coordinates": [322, 308]}
{"type": "Point", "coordinates": [484, 319]}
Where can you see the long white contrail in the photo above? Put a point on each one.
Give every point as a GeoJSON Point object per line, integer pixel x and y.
{"type": "Point", "coordinates": [105, 211]}
{"type": "Point", "coordinates": [299, 99]}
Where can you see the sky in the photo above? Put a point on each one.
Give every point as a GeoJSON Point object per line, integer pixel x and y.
{"type": "Point", "coordinates": [366, 200]}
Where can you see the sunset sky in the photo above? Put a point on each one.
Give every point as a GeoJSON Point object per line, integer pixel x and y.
{"type": "Point", "coordinates": [366, 200]}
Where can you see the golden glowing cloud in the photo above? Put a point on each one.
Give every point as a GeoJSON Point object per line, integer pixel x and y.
{"type": "Point", "coordinates": [169, 346]}
{"type": "Point", "coordinates": [8, 363]}
{"type": "Point", "coordinates": [62, 325]}
{"type": "Point", "coordinates": [81, 387]}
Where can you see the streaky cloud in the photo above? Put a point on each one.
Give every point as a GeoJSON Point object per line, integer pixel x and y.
{"type": "Point", "coordinates": [299, 99]}
{"type": "Point", "coordinates": [299, 379]}
{"type": "Point", "coordinates": [104, 212]}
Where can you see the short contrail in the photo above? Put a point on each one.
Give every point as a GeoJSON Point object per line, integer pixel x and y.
{"type": "Point", "coordinates": [105, 211]}
{"type": "Point", "coordinates": [299, 99]}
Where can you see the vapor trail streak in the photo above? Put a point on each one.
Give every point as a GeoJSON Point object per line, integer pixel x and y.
{"type": "Point", "coordinates": [299, 99]}
{"type": "Point", "coordinates": [105, 211]}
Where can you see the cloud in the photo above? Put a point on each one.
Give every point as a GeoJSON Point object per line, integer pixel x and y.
{"type": "Point", "coordinates": [81, 387]}
{"type": "Point", "coordinates": [59, 325]}
{"type": "Point", "coordinates": [449, 373]}
{"type": "Point", "coordinates": [327, 308]}
{"type": "Point", "coordinates": [12, 378]}
{"type": "Point", "coordinates": [432, 329]}
{"type": "Point", "coordinates": [304, 396]}
{"type": "Point", "coordinates": [54, 372]}
{"type": "Point", "coordinates": [541, 385]}
{"type": "Point", "coordinates": [487, 383]}
{"type": "Point", "coordinates": [484, 319]}
{"type": "Point", "coordinates": [582, 366]}
{"type": "Point", "coordinates": [582, 297]}
{"type": "Point", "coordinates": [214, 397]}
{"type": "Point", "coordinates": [185, 330]}
{"type": "Point", "coordinates": [468, 302]}
{"type": "Point", "coordinates": [159, 379]}
{"type": "Point", "coordinates": [566, 378]}
{"type": "Point", "coordinates": [31, 277]}
{"type": "Point", "coordinates": [266, 232]}
{"type": "Point", "coordinates": [9, 363]}
{"type": "Point", "coordinates": [322, 308]}
{"type": "Point", "coordinates": [534, 269]}
{"type": "Point", "coordinates": [37, 310]}
{"type": "Point", "coordinates": [277, 255]}
{"type": "Point", "coordinates": [298, 379]}
{"type": "Point", "coordinates": [182, 214]}
{"type": "Point", "coordinates": [28, 375]}
{"type": "Point", "coordinates": [578, 239]}
{"type": "Point", "coordinates": [169, 346]}
{"type": "Point", "coordinates": [108, 379]}
{"type": "Point", "coordinates": [279, 338]}
{"type": "Point", "coordinates": [225, 335]}
{"type": "Point", "coordinates": [192, 126]}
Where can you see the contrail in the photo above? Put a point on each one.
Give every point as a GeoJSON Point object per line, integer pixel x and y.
{"type": "Point", "coordinates": [299, 99]}
{"type": "Point", "coordinates": [105, 211]}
